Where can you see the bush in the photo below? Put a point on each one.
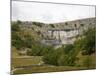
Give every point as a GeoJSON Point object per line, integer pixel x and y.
{"type": "Point", "coordinates": [59, 58]}
{"type": "Point", "coordinates": [50, 58]}
{"type": "Point", "coordinates": [52, 25]}
{"type": "Point", "coordinates": [15, 27]}
{"type": "Point", "coordinates": [37, 24]}
{"type": "Point", "coordinates": [35, 51]}
{"type": "Point", "coordinates": [68, 48]}
{"type": "Point", "coordinates": [16, 40]}
{"type": "Point", "coordinates": [19, 22]}
{"type": "Point", "coordinates": [46, 49]}
{"type": "Point", "coordinates": [53, 57]}
{"type": "Point", "coordinates": [90, 41]}
{"type": "Point", "coordinates": [87, 43]}
{"type": "Point", "coordinates": [19, 42]}
{"type": "Point", "coordinates": [40, 50]}
{"type": "Point", "coordinates": [62, 61]}
{"type": "Point", "coordinates": [66, 23]}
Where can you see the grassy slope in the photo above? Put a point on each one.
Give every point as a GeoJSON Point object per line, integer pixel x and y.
{"type": "Point", "coordinates": [87, 61]}
{"type": "Point", "coordinates": [25, 61]}
{"type": "Point", "coordinates": [46, 68]}
{"type": "Point", "coordinates": [19, 61]}
{"type": "Point", "coordinates": [42, 69]}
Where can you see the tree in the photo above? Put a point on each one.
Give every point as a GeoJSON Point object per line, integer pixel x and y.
{"type": "Point", "coordinates": [52, 25]}
{"type": "Point", "coordinates": [66, 23]}
{"type": "Point", "coordinates": [15, 27]}
{"type": "Point", "coordinates": [68, 48]}
{"type": "Point", "coordinates": [62, 61]}
{"type": "Point", "coordinates": [19, 22]}
{"type": "Point", "coordinates": [82, 25]}
{"type": "Point", "coordinates": [37, 24]}
{"type": "Point", "coordinates": [87, 43]}
{"type": "Point", "coordinates": [46, 49]}
{"type": "Point", "coordinates": [75, 25]}
{"type": "Point", "coordinates": [53, 57]}
{"type": "Point", "coordinates": [63, 56]}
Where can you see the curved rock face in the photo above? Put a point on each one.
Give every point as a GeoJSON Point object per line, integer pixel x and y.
{"type": "Point", "coordinates": [67, 34]}
{"type": "Point", "coordinates": [64, 36]}
{"type": "Point", "coordinates": [58, 33]}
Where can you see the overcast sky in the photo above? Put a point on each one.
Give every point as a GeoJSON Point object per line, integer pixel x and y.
{"type": "Point", "coordinates": [49, 13]}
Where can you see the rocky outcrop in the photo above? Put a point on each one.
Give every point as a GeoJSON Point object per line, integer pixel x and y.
{"type": "Point", "coordinates": [62, 32]}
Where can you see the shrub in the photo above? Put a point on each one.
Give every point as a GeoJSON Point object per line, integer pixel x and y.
{"type": "Point", "coordinates": [62, 61]}
{"type": "Point", "coordinates": [37, 24]}
{"type": "Point", "coordinates": [59, 58]}
{"type": "Point", "coordinates": [68, 48]}
{"type": "Point", "coordinates": [46, 49]}
{"type": "Point", "coordinates": [15, 27]}
{"type": "Point", "coordinates": [52, 25]}
{"type": "Point", "coordinates": [41, 50]}
{"type": "Point", "coordinates": [19, 22]}
{"type": "Point", "coordinates": [52, 57]}
{"type": "Point", "coordinates": [90, 41]}
{"type": "Point", "coordinates": [36, 49]}
{"type": "Point", "coordinates": [86, 43]}
{"type": "Point", "coordinates": [66, 23]}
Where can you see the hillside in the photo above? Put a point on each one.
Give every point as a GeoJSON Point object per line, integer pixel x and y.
{"type": "Point", "coordinates": [40, 47]}
{"type": "Point", "coordinates": [56, 31]}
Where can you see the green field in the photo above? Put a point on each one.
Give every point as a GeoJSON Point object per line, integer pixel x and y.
{"type": "Point", "coordinates": [30, 61]}
{"type": "Point", "coordinates": [42, 69]}
{"type": "Point", "coordinates": [31, 64]}
{"type": "Point", "coordinates": [25, 61]}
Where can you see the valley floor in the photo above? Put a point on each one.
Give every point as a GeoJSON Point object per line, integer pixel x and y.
{"type": "Point", "coordinates": [32, 64]}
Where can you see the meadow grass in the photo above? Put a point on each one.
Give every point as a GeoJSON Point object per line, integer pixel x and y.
{"type": "Point", "coordinates": [42, 69]}
{"type": "Point", "coordinates": [26, 61]}
{"type": "Point", "coordinates": [20, 61]}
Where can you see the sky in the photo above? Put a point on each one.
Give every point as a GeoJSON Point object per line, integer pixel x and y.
{"type": "Point", "coordinates": [49, 13]}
